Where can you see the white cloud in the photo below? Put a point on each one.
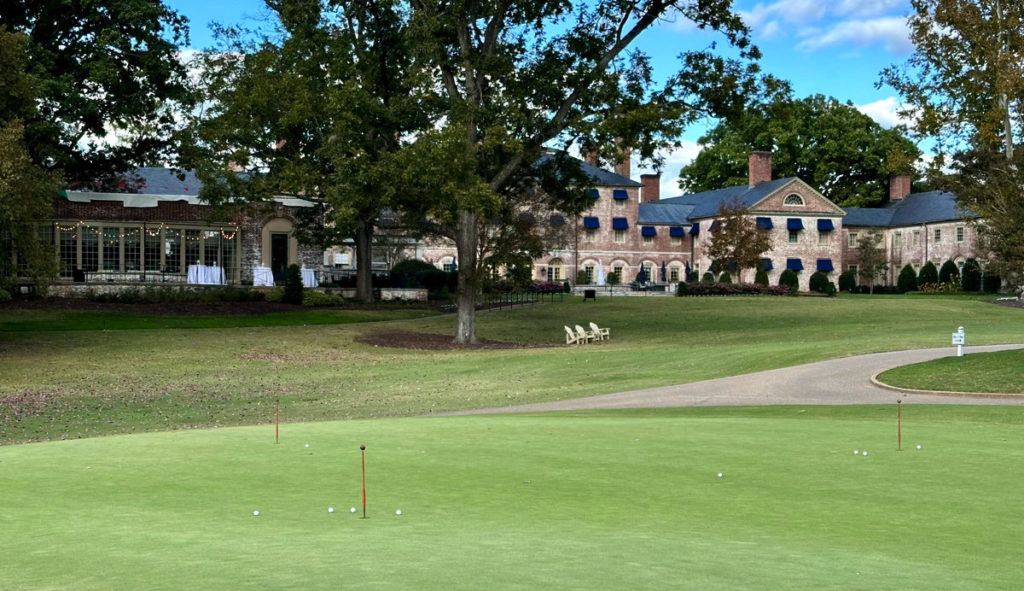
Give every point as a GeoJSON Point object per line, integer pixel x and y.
{"type": "Point", "coordinates": [794, 12]}
{"type": "Point", "coordinates": [869, 8]}
{"type": "Point", "coordinates": [884, 112]}
{"type": "Point", "coordinates": [888, 31]}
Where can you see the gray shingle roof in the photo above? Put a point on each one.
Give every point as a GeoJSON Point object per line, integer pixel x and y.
{"type": "Point", "coordinates": [671, 214]}
{"type": "Point", "coordinates": [916, 208]}
{"type": "Point", "coordinates": [708, 203]}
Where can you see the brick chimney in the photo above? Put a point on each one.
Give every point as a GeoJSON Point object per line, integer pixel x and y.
{"type": "Point", "coordinates": [623, 168]}
{"type": "Point", "coordinates": [899, 186]}
{"type": "Point", "coordinates": [650, 192]}
{"type": "Point", "coordinates": [760, 167]}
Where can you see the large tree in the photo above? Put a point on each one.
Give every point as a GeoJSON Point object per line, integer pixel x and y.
{"type": "Point", "coordinates": [873, 261]}
{"type": "Point", "coordinates": [964, 86]}
{"type": "Point", "coordinates": [831, 145]}
{"type": "Point", "coordinates": [516, 76]}
{"type": "Point", "coordinates": [315, 108]}
{"type": "Point", "coordinates": [100, 68]}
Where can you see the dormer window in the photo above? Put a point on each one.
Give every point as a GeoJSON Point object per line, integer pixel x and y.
{"type": "Point", "coordinates": [793, 200]}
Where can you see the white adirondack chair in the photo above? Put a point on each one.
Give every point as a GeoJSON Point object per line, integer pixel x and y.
{"type": "Point", "coordinates": [583, 335]}
{"type": "Point", "coordinates": [570, 337]}
{"type": "Point", "coordinates": [601, 333]}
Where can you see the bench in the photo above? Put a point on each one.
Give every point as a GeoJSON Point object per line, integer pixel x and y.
{"type": "Point", "coordinates": [589, 294]}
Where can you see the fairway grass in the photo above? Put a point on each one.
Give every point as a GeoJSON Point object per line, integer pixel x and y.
{"type": "Point", "coordinates": [598, 500]}
{"type": "Point", "coordinates": [999, 372]}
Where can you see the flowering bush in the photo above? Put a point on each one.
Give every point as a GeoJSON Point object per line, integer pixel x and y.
{"type": "Point", "coordinates": [547, 286]}
{"type": "Point", "coordinates": [726, 289]}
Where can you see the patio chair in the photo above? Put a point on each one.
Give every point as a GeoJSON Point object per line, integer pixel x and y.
{"type": "Point", "coordinates": [570, 337]}
{"type": "Point", "coordinates": [583, 335]}
{"type": "Point", "coordinates": [601, 333]}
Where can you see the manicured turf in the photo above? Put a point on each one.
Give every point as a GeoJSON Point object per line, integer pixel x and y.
{"type": "Point", "coordinates": [81, 383]}
{"type": "Point", "coordinates": [611, 500]}
{"type": "Point", "coordinates": [1001, 372]}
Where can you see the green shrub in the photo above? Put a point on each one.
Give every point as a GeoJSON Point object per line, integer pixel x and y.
{"type": "Point", "coordinates": [613, 278]}
{"type": "Point", "coordinates": [319, 298]}
{"type": "Point", "coordinates": [907, 281]}
{"type": "Point", "coordinates": [410, 267]}
{"type": "Point", "coordinates": [948, 273]}
{"type": "Point", "coordinates": [566, 288]}
{"type": "Point", "coordinates": [990, 282]}
{"type": "Point", "coordinates": [682, 289]}
{"type": "Point", "coordinates": [971, 279]}
{"type": "Point", "coordinates": [848, 280]}
{"type": "Point", "coordinates": [761, 277]}
{"type": "Point", "coordinates": [725, 277]}
{"type": "Point", "coordinates": [790, 279]}
{"type": "Point", "coordinates": [708, 277]}
{"type": "Point", "coordinates": [5, 296]}
{"type": "Point", "coordinates": [725, 289]}
{"type": "Point", "coordinates": [275, 295]}
{"type": "Point", "coordinates": [830, 289]}
{"type": "Point", "coordinates": [293, 286]}
{"type": "Point", "coordinates": [928, 274]}
{"type": "Point", "coordinates": [581, 278]}
{"type": "Point", "coordinates": [818, 282]}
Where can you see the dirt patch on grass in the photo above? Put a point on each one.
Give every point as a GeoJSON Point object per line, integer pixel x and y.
{"type": "Point", "coordinates": [1014, 303]}
{"type": "Point", "coordinates": [431, 342]}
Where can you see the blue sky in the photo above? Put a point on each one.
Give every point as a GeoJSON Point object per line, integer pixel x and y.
{"type": "Point", "coordinates": [831, 47]}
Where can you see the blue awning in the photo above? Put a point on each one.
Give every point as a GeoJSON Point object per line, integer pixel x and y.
{"type": "Point", "coordinates": [648, 231]}
{"type": "Point", "coordinates": [794, 265]}
{"type": "Point", "coordinates": [591, 222]}
{"type": "Point", "coordinates": [620, 194]}
{"type": "Point", "coordinates": [593, 193]}
{"type": "Point", "coordinates": [794, 224]}
{"type": "Point", "coordinates": [676, 232]}
{"type": "Point", "coordinates": [620, 224]}
{"type": "Point", "coordinates": [766, 265]}
{"type": "Point", "coordinates": [825, 226]}
{"type": "Point", "coordinates": [764, 223]}
{"type": "Point", "coordinates": [695, 229]}
{"type": "Point", "coordinates": [825, 265]}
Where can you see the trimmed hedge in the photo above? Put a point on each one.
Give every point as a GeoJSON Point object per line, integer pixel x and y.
{"type": "Point", "coordinates": [790, 279]}
{"type": "Point", "coordinates": [725, 277]}
{"type": "Point", "coordinates": [728, 289]}
{"type": "Point", "coordinates": [293, 286]}
{"type": "Point", "coordinates": [761, 277]}
{"type": "Point", "coordinates": [971, 279]}
{"type": "Point", "coordinates": [928, 274]}
{"type": "Point", "coordinates": [990, 283]}
{"type": "Point", "coordinates": [907, 281]}
{"type": "Point", "coordinates": [848, 280]}
{"type": "Point", "coordinates": [948, 273]}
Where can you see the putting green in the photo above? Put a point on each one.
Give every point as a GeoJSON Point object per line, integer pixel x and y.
{"type": "Point", "coordinates": [612, 500]}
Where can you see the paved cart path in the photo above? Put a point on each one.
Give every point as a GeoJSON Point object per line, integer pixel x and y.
{"type": "Point", "coordinates": [836, 381]}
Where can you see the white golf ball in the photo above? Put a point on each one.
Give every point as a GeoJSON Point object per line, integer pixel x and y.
{"type": "Point", "coordinates": [352, 510]}
{"type": "Point", "coordinates": [307, 445]}
{"type": "Point", "coordinates": [919, 447]}
{"type": "Point", "coordinates": [330, 509]}
{"type": "Point", "coordinates": [719, 474]}
{"type": "Point", "coordinates": [255, 512]}
{"type": "Point", "coordinates": [855, 452]}
{"type": "Point", "coordinates": [864, 453]}
{"type": "Point", "coordinates": [398, 512]}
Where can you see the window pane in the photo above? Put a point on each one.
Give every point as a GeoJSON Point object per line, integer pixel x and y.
{"type": "Point", "coordinates": [192, 247]}
{"type": "Point", "coordinates": [172, 251]}
{"type": "Point", "coordinates": [68, 251]}
{"type": "Point", "coordinates": [90, 248]}
{"type": "Point", "coordinates": [132, 249]}
{"type": "Point", "coordinates": [111, 249]}
{"type": "Point", "coordinates": [211, 247]}
{"type": "Point", "coordinates": [152, 249]}
{"type": "Point", "coordinates": [228, 247]}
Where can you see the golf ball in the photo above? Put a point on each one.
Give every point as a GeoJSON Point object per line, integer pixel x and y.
{"type": "Point", "coordinates": [352, 510]}
{"type": "Point", "coordinates": [864, 453]}
{"type": "Point", "coordinates": [855, 452]}
{"type": "Point", "coordinates": [330, 509]}
{"type": "Point", "coordinates": [719, 474]}
{"type": "Point", "coordinates": [398, 512]}
{"type": "Point", "coordinates": [307, 445]}
{"type": "Point", "coordinates": [255, 512]}
{"type": "Point", "coordinates": [919, 447]}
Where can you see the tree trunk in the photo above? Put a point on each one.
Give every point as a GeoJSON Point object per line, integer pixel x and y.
{"type": "Point", "coordinates": [364, 261]}
{"type": "Point", "coordinates": [466, 242]}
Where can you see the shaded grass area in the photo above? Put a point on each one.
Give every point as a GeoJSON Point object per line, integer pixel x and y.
{"type": "Point", "coordinates": [65, 320]}
{"type": "Point", "coordinates": [80, 383]}
{"type": "Point", "coordinates": [602, 500]}
{"type": "Point", "coordinates": [999, 372]}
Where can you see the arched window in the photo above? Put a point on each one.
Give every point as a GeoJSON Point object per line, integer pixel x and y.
{"type": "Point", "coordinates": [555, 270]}
{"type": "Point", "coordinates": [793, 199]}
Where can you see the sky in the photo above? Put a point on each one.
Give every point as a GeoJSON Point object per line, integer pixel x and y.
{"type": "Point", "coordinates": [832, 47]}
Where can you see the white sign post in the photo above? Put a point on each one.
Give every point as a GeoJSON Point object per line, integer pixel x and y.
{"type": "Point", "coordinates": [958, 340]}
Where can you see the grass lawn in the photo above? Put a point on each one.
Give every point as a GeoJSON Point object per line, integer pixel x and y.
{"type": "Point", "coordinates": [58, 384]}
{"type": "Point", "coordinates": [1000, 372]}
{"type": "Point", "coordinates": [609, 500]}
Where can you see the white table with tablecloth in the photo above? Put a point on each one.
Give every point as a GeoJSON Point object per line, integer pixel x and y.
{"type": "Point", "coordinates": [262, 277]}
{"type": "Point", "coordinates": [309, 278]}
{"type": "Point", "coordinates": [206, 275]}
